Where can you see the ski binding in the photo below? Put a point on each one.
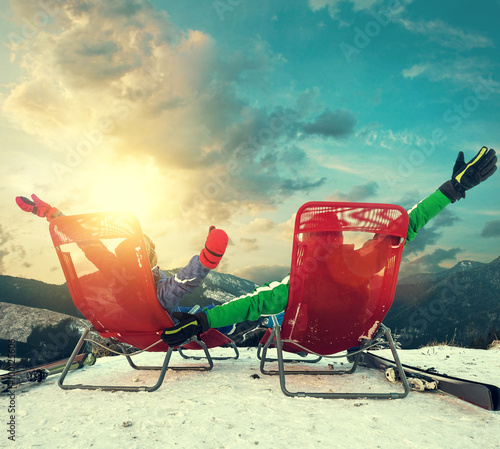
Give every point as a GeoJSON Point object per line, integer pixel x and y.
{"type": "Point", "coordinates": [417, 382]}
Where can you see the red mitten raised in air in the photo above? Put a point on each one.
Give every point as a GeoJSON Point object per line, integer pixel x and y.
{"type": "Point", "coordinates": [38, 207]}
{"type": "Point", "coordinates": [215, 247]}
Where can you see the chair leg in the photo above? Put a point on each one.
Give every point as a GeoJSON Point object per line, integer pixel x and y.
{"type": "Point", "coordinates": [72, 358]}
{"type": "Point", "coordinates": [78, 346]}
{"type": "Point", "coordinates": [163, 369]}
{"type": "Point", "coordinates": [282, 374]}
{"type": "Point", "coordinates": [301, 360]}
{"type": "Point", "coordinates": [272, 340]}
{"type": "Point", "coordinates": [232, 345]}
{"type": "Point", "coordinates": [208, 357]}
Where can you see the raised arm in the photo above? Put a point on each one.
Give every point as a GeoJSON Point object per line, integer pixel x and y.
{"type": "Point", "coordinates": [464, 177]}
{"type": "Point", "coordinates": [95, 251]}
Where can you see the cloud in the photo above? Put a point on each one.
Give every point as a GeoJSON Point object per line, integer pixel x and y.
{"type": "Point", "coordinates": [126, 8]}
{"type": "Point", "coordinates": [445, 218]}
{"type": "Point", "coordinates": [491, 229]}
{"type": "Point", "coordinates": [7, 248]}
{"type": "Point", "coordinates": [331, 5]}
{"type": "Point", "coordinates": [4, 238]}
{"type": "Point", "coordinates": [339, 123]}
{"type": "Point", "coordinates": [461, 68]}
{"type": "Point", "coordinates": [414, 71]}
{"type": "Point", "coordinates": [77, 73]}
{"type": "Point", "coordinates": [429, 263]}
{"type": "Point", "coordinates": [113, 80]}
{"type": "Point", "coordinates": [464, 71]}
{"type": "Point", "coordinates": [95, 59]}
{"type": "Point", "coordinates": [306, 101]}
{"type": "Point", "coordinates": [446, 35]}
{"type": "Point", "coordinates": [431, 233]}
{"type": "Point", "coordinates": [249, 244]}
{"type": "Point", "coordinates": [356, 193]}
{"type": "Point", "coordinates": [334, 6]}
{"type": "Point", "coordinates": [259, 225]}
{"type": "Point", "coordinates": [3, 254]}
{"type": "Point", "coordinates": [429, 236]}
{"type": "Point", "coordinates": [262, 274]}
{"type": "Point", "coordinates": [290, 186]}
{"type": "Point", "coordinates": [285, 229]}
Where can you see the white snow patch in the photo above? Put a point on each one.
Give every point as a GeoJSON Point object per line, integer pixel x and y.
{"type": "Point", "coordinates": [228, 408]}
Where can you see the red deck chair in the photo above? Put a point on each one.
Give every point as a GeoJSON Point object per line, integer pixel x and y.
{"type": "Point", "coordinates": [106, 266]}
{"type": "Point", "coordinates": [345, 263]}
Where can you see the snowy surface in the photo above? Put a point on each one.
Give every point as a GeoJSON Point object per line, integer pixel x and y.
{"type": "Point", "coordinates": [228, 408]}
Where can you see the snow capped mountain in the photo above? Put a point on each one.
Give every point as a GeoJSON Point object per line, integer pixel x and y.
{"type": "Point", "coordinates": [464, 265]}
{"type": "Point", "coordinates": [216, 288]}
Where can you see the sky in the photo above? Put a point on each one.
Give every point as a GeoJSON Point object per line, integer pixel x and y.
{"type": "Point", "coordinates": [234, 113]}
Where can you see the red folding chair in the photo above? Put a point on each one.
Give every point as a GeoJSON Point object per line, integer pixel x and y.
{"type": "Point", "coordinates": [106, 266]}
{"type": "Point", "coordinates": [345, 263]}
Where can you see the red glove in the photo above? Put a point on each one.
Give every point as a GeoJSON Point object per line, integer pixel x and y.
{"type": "Point", "coordinates": [38, 207]}
{"type": "Point", "coordinates": [215, 246]}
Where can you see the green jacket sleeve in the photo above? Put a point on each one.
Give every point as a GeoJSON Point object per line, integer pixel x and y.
{"type": "Point", "coordinates": [425, 211]}
{"type": "Point", "coordinates": [269, 299]}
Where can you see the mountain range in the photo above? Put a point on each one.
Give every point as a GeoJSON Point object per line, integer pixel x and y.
{"type": "Point", "coordinates": [216, 288]}
{"type": "Point", "coordinates": [460, 305]}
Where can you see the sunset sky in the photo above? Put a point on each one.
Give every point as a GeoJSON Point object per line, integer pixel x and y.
{"type": "Point", "coordinates": [234, 113]}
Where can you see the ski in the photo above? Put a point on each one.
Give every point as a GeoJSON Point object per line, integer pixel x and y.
{"type": "Point", "coordinates": [38, 374]}
{"type": "Point", "coordinates": [483, 395]}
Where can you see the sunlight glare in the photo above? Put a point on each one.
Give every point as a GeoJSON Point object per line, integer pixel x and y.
{"type": "Point", "coordinates": [127, 186]}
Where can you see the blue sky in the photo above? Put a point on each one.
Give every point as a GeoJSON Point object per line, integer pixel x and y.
{"type": "Point", "coordinates": [234, 113]}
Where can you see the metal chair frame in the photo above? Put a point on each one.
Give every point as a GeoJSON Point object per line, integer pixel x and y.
{"type": "Point", "coordinates": [162, 368]}
{"type": "Point", "coordinates": [275, 338]}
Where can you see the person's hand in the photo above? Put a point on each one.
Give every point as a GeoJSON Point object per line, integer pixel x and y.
{"type": "Point", "coordinates": [38, 207]}
{"type": "Point", "coordinates": [188, 326]}
{"type": "Point", "coordinates": [465, 176]}
{"type": "Point", "coordinates": [215, 247]}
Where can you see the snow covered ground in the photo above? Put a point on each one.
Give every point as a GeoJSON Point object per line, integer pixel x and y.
{"type": "Point", "coordinates": [230, 407]}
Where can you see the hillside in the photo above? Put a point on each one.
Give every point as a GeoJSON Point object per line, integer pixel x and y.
{"type": "Point", "coordinates": [216, 288]}
{"type": "Point", "coordinates": [33, 293]}
{"type": "Point", "coordinates": [17, 322]}
{"type": "Point", "coordinates": [461, 304]}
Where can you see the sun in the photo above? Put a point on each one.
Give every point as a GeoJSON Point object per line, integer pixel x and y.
{"type": "Point", "coordinates": [127, 186]}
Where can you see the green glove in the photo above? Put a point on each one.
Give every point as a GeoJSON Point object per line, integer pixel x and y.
{"type": "Point", "coordinates": [470, 174]}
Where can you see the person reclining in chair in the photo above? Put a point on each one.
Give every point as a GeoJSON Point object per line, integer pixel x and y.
{"type": "Point", "coordinates": [170, 290]}
{"type": "Point", "coordinates": [272, 298]}
{"type": "Point", "coordinates": [347, 270]}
